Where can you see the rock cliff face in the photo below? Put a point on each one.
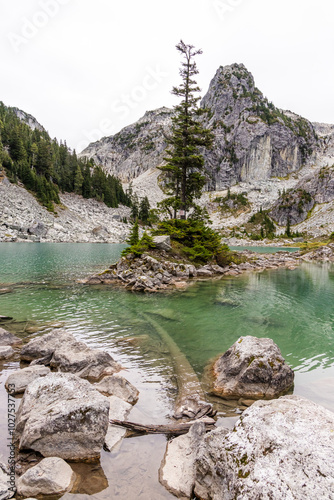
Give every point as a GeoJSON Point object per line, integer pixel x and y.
{"type": "Point", "coordinates": [297, 203]}
{"type": "Point", "coordinates": [253, 139]}
{"type": "Point", "coordinates": [135, 148]}
{"type": "Point", "coordinates": [29, 120]}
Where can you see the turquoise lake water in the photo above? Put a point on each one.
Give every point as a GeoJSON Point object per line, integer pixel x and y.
{"type": "Point", "coordinates": [293, 307]}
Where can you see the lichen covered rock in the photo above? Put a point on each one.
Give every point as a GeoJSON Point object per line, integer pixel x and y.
{"type": "Point", "coordinates": [253, 368]}
{"type": "Point", "coordinates": [62, 415]}
{"type": "Point", "coordinates": [279, 449]}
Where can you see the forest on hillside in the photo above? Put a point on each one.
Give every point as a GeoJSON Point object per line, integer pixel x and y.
{"type": "Point", "coordinates": [47, 167]}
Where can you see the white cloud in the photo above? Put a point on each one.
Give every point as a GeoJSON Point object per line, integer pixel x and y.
{"type": "Point", "coordinates": [84, 56]}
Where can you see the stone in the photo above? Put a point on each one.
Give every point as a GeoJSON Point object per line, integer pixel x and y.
{"type": "Point", "coordinates": [62, 351]}
{"type": "Point", "coordinates": [20, 379]}
{"type": "Point", "coordinates": [162, 242]}
{"type": "Point", "coordinates": [37, 229]}
{"type": "Point", "coordinates": [84, 361]}
{"type": "Point", "coordinates": [52, 476]}
{"type": "Point", "coordinates": [253, 368]}
{"type": "Point", "coordinates": [204, 272]}
{"type": "Point", "coordinates": [6, 352]}
{"type": "Point", "coordinates": [177, 470]}
{"type": "Point", "coordinates": [61, 414]}
{"type": "Point", "coordinates": [6, 489]}
{"type": "Point", "coordinates": [116, 385]}
{"type": "Point", "coordinates": [119, 410]}
{"type": "Point", "coordinates": [45, 345]}
{"type": "Point", "coordinates": [278, 449]}
{"type": "Point", "coordinates": [7, 338]}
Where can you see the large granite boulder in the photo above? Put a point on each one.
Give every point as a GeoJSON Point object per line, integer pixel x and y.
{"type": "Point", "coordinates": [52, 476]}
{"type": "Point", "coordinates": [18, 381]}
{"type": "Point", "coordinates": [279, 449]}
{"type": "Point", "coordinates": [62, 415]}
{"type": "Point", "coordinates": [253, 368]}
{"type": "Point", "coordinates": [162, 242]}
{"type": "Point", "coordinates": [45, 345]}
{"type": "Point", "coordinates": [7, 338]}
{"type": "Point", "coordinates": [115, 385]}
{"type": "Point", "coordinates": [62, 351]}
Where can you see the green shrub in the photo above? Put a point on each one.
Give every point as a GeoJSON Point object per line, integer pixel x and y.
{"type": "Point", "coordinates": [225, 257]}
{"type": "Point", "coordinates": [199, 242]}
{"type": "Point", "coordinates": [143, 245]}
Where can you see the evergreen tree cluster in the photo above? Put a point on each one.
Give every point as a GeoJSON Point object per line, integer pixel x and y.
{"type": "Point", "coordinates": [47, 167]}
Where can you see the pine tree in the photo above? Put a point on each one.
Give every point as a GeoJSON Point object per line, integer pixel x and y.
{"type": "Point", "coordinates": [134, 235]}
{"type": "Point", "coordinates": [134, 207]}
{"type": "Point", "coordinates": [185, 163]}
{"type": "Point", "coordinates": [78, 180]}
{"type": "Point", "coordinates": [144, 210]}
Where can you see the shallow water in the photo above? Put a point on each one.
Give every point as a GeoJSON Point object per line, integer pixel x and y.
{"type": "Point", "coordinates": [293, 307]}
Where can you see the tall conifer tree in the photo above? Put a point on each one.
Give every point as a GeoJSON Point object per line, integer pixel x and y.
{"type": "Point", "coordinates": [184, 161]}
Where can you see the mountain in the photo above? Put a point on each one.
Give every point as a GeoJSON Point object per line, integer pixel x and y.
{"type": "Point", "coordinates": [135, 149]}
{"type": "Point", "coordinates": [46, 167]}
{"type": "Point", "coordinates": [28, 119]}
{"type": "Point", "coordinates": [254, 140]}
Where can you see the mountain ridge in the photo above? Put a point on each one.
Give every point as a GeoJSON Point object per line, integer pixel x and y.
{"type": "Point", "coordinates": [253, 139]}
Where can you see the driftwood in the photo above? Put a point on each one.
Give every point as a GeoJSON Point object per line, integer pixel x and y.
{"type": "Point", "coordinates": [175, 429]}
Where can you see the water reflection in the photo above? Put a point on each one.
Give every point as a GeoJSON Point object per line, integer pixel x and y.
{"type": "Point", "coordinates": [294, 308]}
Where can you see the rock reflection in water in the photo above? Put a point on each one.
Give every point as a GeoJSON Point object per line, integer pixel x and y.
{"type": "Point", "coordinates": [91, 479]}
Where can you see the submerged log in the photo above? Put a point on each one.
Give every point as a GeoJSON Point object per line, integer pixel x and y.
{"type": "Point", "coordinates": [190, 402]}
{"type": "Point", "coordinates": [175, 429]}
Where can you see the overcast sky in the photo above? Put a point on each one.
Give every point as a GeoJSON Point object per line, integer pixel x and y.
{"type": "Point", "coordinates": [86, 68]}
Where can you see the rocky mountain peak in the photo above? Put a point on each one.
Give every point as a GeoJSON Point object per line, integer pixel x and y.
{"type": "Point", "coordinates": [254, 140]}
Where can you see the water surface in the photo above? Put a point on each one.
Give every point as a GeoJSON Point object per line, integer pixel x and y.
{"type": "Point", "coordinates": [293, 307]}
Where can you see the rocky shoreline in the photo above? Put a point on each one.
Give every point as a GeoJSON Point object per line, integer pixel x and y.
{"type": "Point", "coordinates": [75, 402]}
{"type": "Point", "coordinates": [158, 272]}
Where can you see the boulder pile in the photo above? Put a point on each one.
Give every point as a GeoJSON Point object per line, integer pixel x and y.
{"type": "Point", "coordinates": [151, 274]}
{"type": "Point", "coordinates": [62, 416]}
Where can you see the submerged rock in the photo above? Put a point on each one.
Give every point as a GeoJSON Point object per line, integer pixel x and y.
{"type": "Point", "coordinates": [279, 449]}
{"type": "Point", "coordinates": [20, 379]}
{"type": "Point", "coordinates": [116, 385]}
{"type": "Point", "coordinates": [52, 476]}
{"type": "Point", "coordinates": [252, 368]}
{"type": "Point", "coordinates": [62, 415]}
{"type": "Point", "coordinates": [7, 338]}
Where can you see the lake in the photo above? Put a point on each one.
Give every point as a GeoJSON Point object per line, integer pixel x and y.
{"type": "Point", "coordinates": [293, 307]}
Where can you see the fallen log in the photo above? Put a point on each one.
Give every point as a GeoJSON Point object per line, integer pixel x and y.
{"type": "Point", "coordinates": [190, 401]}
{"type": "Point", "coordinates": [175, 429]}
